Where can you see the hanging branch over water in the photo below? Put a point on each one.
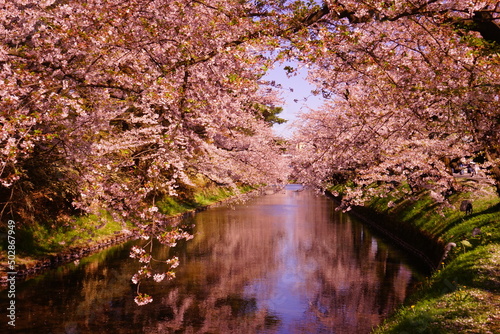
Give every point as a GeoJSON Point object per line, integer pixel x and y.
{"type": "Point", "coordinates": [112, 105]}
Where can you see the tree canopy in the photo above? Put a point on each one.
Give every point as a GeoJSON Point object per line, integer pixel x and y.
{"type": "Point", "coordinates": [108, 104]}
{"type": "Point", "coordinates": [410, 87]}
{"type": "Point", "coordinates": [112, 103]}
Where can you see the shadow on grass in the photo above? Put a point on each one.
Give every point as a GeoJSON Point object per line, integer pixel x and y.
{"type": "Point", "coordinates": [475, 268]}
{"type": "Point", "coordinates": [476, 219]}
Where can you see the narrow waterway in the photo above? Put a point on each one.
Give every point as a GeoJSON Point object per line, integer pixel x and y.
{"type": "Point", "coordinates": [281, 263]}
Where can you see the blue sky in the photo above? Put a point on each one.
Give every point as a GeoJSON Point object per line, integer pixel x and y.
{"type": "Point", "coordinates": [296, 91]}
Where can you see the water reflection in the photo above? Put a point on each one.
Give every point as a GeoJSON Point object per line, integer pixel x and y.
{"type": "Point", "coordinates": [284, 263]}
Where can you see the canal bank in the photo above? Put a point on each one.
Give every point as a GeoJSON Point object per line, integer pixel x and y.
{"type": "Point", "coordinates": [460, 296]}
{"type": "Point", "coordinates": [283, 263]}
{"type": "Point", "coordinates": [424, 250]}
{"type": "Point", "coordinates": [39, 248]}
{"type": "Point", "coordinates": [461, 293]}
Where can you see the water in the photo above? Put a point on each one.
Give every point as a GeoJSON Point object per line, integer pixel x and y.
{"type": "Point", "coordinates": [282, 263]}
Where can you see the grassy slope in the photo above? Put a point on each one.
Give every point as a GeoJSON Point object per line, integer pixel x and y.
{"type": "Point", "coordinates": [41, 240]}
{"type": "Point", "coordinates": [463, 295]}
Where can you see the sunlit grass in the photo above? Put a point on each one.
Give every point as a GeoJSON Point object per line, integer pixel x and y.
{"type": "Point", "coordinates": [464, 310]}
{"type": "Point", "coordinates": [463, 295]}
{"type": "Point", "coordinates": [203, 197]}
{"type": "Point", "coordinates": [42, 239]}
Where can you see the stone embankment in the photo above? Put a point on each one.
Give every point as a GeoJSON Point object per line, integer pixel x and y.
{"type": "Point", "coordinates": [24, 271]}
{"type": "Point", "coordinates": [70, 254]}
{"type": "Point", "coordinates": [425, 250]}
{"type": "Point", "coordinates": [460, 248]}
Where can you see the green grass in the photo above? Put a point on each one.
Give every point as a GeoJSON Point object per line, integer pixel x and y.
{"type": "Point", "coordinates": [447, 224]}
{"type": "Point", "coordinates": [172, 206]}
{"type": "Point", "coordinates": [463, 310]}
{"type": "Point", "coordinates": [39, 240]}
{"type": "Point", "coordinates": [45, 239]}
{"type": "Point", "coordinates": [203, 197]}
{"type": "Point", "coordinates": [463, 295]}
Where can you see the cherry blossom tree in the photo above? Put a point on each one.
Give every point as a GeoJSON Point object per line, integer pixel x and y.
{"type": "Point", "coordinates": [114, 105]}
{"type": "Point", "coordinates": [409, 86]}
{"type": "Point", "coordinates": [133, 98]}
